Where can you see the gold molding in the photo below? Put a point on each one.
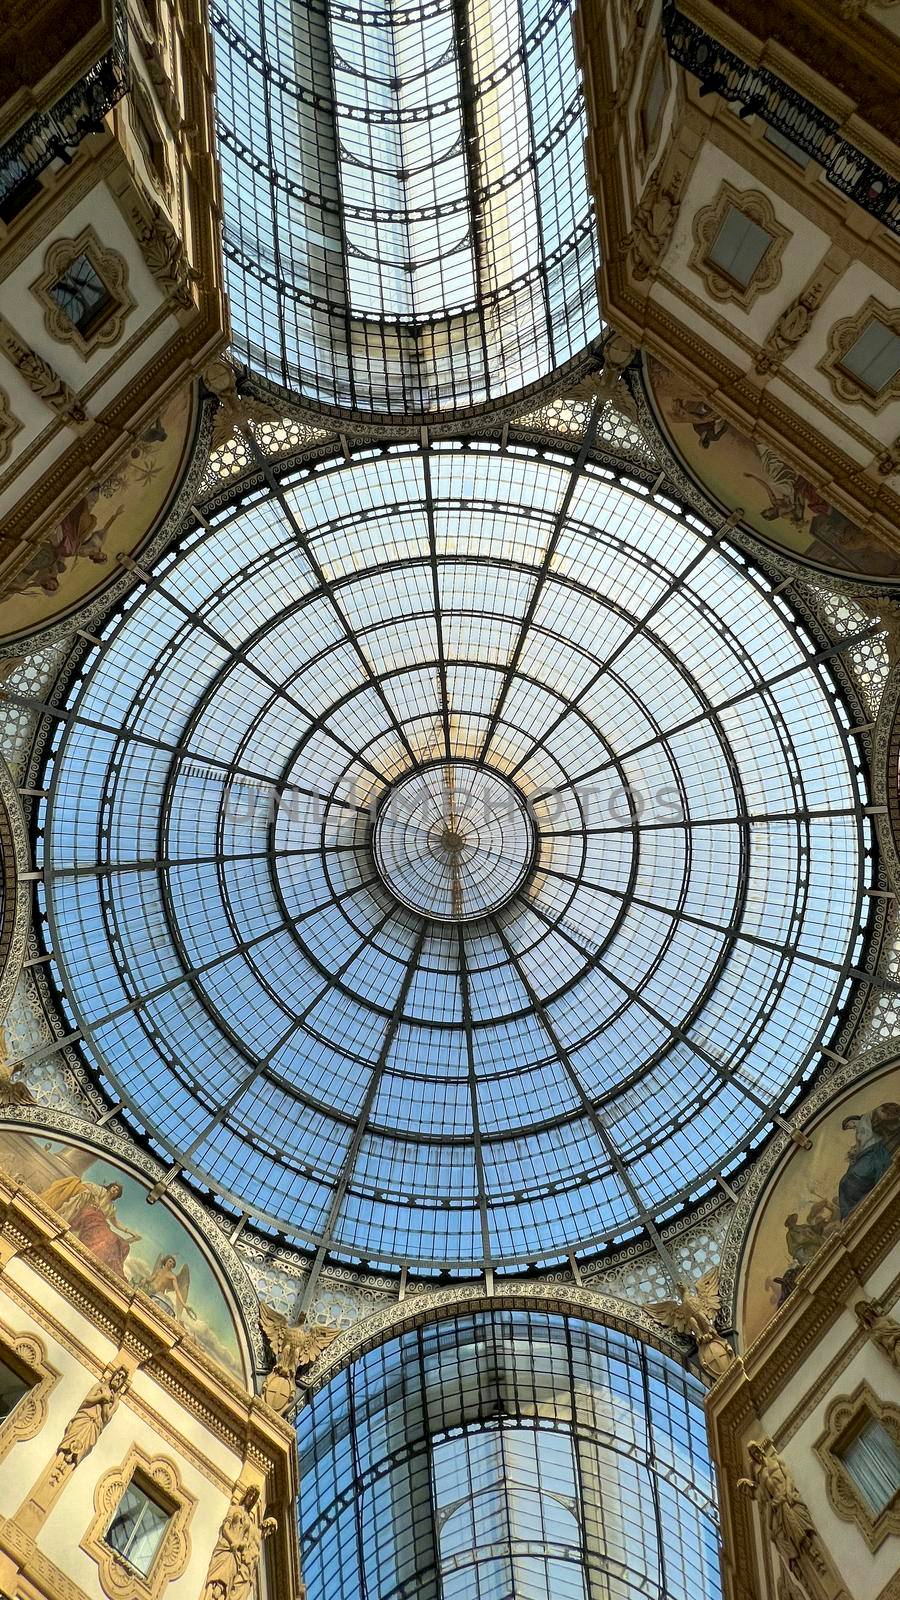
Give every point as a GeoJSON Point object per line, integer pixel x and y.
{"type": "Point", "coordinates": [110, 267]}
{"type": "Point", "coordinates": [841, 338]}
{"type": "Point", "coordinates": [27, 1355]}
{"type": "Point", "coordinates": [707, 222]}
{"type": "Point", "coordinates": [118, 1579]}
{"type": "Point", "coordinates": [9, 426]}
{"type": "Point", "coordinates": [844, 1415]}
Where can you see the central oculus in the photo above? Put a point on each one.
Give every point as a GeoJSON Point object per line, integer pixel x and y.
{"type": "Point", "coordinates": [454, 840]}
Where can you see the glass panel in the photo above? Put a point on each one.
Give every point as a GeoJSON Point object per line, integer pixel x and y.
{"type": "Point", "coordinates": [138, 1528]}
{"type": "Point", "coordinates": [647, 905]}
{"type": "Point", "coordinates": [782, 142]}
{"type": "Point", "coordinates": [873, 1462]}
{"type": "Point", "coordinates": [874, 358]}
{"type": "Point", "coordinates": [508, 1456]}
{"type": "Point", "coordinates": [739, 246]}
{"type": "Point", "coordinates": [407, 220]}
{"type": "Point", "coordinates": [12, 1389]}
{"type": "Point", "coordinates": [81, 294]}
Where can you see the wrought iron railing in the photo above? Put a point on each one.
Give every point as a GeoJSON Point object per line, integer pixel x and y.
{"type": "Point", "coordinates": [761, 93]}
{"type": "Point", "coordinates": [55, 133]}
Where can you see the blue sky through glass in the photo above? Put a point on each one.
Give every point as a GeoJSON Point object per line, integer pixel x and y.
{"type": "Point", "coordinates": [373, 1082]}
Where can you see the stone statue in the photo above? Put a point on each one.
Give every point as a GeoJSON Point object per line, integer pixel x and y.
{"type": "Point", "coordinates": [694, 1315]}
{"type": "Point", "coordinates": [12, 1091]}
{"type": "Point", "coordinates": [653, 223]}
{"type": "Point", "coordinates": [236, 1553]}
{"type": "Point", "coordinates": [881, 1329]}
{"type": "Point", "coordinates": [789, 329]}
{"type": "Point", "coordinates": [785, 1516]}
{"type": "Point", "coordinates": [294, 1345]}
{"type": "Point", "coordinates": [40, 377]}
{"type": "Point", "coordinates": [88, 1423]}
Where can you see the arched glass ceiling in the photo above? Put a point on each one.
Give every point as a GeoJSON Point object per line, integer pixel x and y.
{"type": "Point", "coordinates": [565, 984]}
{"type": "Point", "coordinates": [508, 1455]}
{"type": "Point", "coordinates": [407, 221]}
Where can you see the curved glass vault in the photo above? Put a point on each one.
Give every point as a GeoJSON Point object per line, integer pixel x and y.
{"type": "Point", "coordinates": [407, 222]}
{"type": "Point", "coordinates": [508, 1455]}
{"type": "Point", "coordinates": [454, 858]}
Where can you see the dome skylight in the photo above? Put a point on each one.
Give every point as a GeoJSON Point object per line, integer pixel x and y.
{"type": "Point", "coordinates": [454, 858]}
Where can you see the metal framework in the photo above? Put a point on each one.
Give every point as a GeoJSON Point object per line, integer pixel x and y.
{"type": "Point", "coordinates": [504, 1454]}
{"type": "Point", "coordinates": [407, 223]}
{"type": "Point", "coordinates": [761, 93]}
{"type": "Point", "coordinates": [52, 135]}
{"type": "Point", "coordinates": [456, 1093]}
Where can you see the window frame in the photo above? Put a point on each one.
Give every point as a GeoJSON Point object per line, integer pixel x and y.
{"type": "Point", "coordinates": [26, 1355]}
{"type": "Point", "coordinates": [842, 336]}
{"type": "Point", "coordinates": [845, 1418]}
{"type": "Point", "coordinates": [112, 270]}
{"type": "Point", "coordinates": [160, 1480]}
{"type": "Point", "coordinates": [708, 222]}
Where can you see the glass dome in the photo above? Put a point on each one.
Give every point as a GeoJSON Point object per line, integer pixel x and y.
{"type": "Point", "coordinates": [407, 222]}
{"type": "Point", "coordinates": [509, 1455]}
{"type": "Point", "coordinates": [454, 858]}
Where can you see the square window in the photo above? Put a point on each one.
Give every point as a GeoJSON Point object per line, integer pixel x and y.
{"type": "Point", "coordinates": [13, 1388]}
{"type": "Point", "coordinates": [738, 247]}
{"type": "Point", "coordinates": [82, 295]}
{"type": "Point", "coordinates": [782, 142]}
{"type": "Point", "coordinates": [872, 1459]}
{"type": "Point", "coordinates": [874, 357]}
{"type": "Point", "coordinates": [138, 1528]}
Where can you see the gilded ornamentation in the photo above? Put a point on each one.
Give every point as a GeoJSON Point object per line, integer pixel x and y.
{"type": "Point", "coordinates": [841, 339]}
{"type": "Point", "coordinates": [294, 1346]}
{"type": "Point", "coordinates": [694, 1315]}
{"type": "Point", "coordinates": [40, 377]}
{"type": "Point", "coordinates": [13, 1092]}
{"type": "Point", "coordinates": [653, 223]}
{"type": "Point", "coordinates": [888, 462]}
{"type": "Point", "coordinates": [118, 1579]}
{"type": "Point", "coordinates": [163, 250]}
{"type": "Point", "coordinates": [789, 329]}
{"type": "Point", "coordinates": [707, 222]}
{"type": "Point", "coordinates": [628, 61]}
{"type": "Point", "coordinates": [9, 426]}
{"type": "Point", "coordinates": [88, 1423]}
{"type": "Point", "coordinates": [843, 1420]}
{"type": "Point", "coordinates": [110, 267]}
{"type": "Point", "coordinates": [235, 1557]}
{"type": "Point", "coordinates": [880, 1328]}
{"type": "Point", "coordinates": [785, 1516]}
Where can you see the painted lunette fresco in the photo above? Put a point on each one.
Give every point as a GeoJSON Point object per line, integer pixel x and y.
{"type": "Point", "coordinates": [778, 503]}
{"type": "Point", "coordinates": [106, 1209]}
{"type": "Point", "coordinates": [852, 1147]}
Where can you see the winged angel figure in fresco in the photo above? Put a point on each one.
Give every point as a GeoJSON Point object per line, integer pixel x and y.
{"type": "Point", "coordinates": [294, 1345]}
{"type": "Point", "coordinates": [695, 1316]}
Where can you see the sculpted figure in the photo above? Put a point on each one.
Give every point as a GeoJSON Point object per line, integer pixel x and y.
{"type": "Point", "coordinates": [653, 224]}
{"type": "Point", "coordinates": [694, 1315]}
{"type": "Point", "coordinates": [294, 1345]}
{"type": "Point", "coordinates": [789, 329]}
{"type": "Point", "coordinates": [785, 1516]}
{"type": "Point", "coordinates": [881, 1328]}
{"type": "Point", "coordinates": [236, 1553]}
{"type": "Point", "coordinates": [88, 1422]}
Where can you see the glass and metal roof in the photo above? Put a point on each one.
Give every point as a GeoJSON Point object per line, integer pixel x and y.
{"type": "Point", "coordinates": [407, 221]}
{"type": "Point", "coordinates": [454, 858]}
{"type": "Point", "coordinates": [509, 1455]}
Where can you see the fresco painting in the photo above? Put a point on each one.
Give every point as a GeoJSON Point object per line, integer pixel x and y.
{"type": "Point", "coordinates": [106, 1209]}
{"type": "Point", "coordinates": [779, 503]}
{"type": "Point", "coordinates": [114, 516]}
{"type": "Point", "coordinates": [852, 1148]}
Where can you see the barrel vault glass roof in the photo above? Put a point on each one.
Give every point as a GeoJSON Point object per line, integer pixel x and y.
{"type": "Point", "coordinates": [407, 221]}
{"type": "Point", "coordinates": [509, 1456]}
{"type": "Point", "coordinates": [538, 1018]}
